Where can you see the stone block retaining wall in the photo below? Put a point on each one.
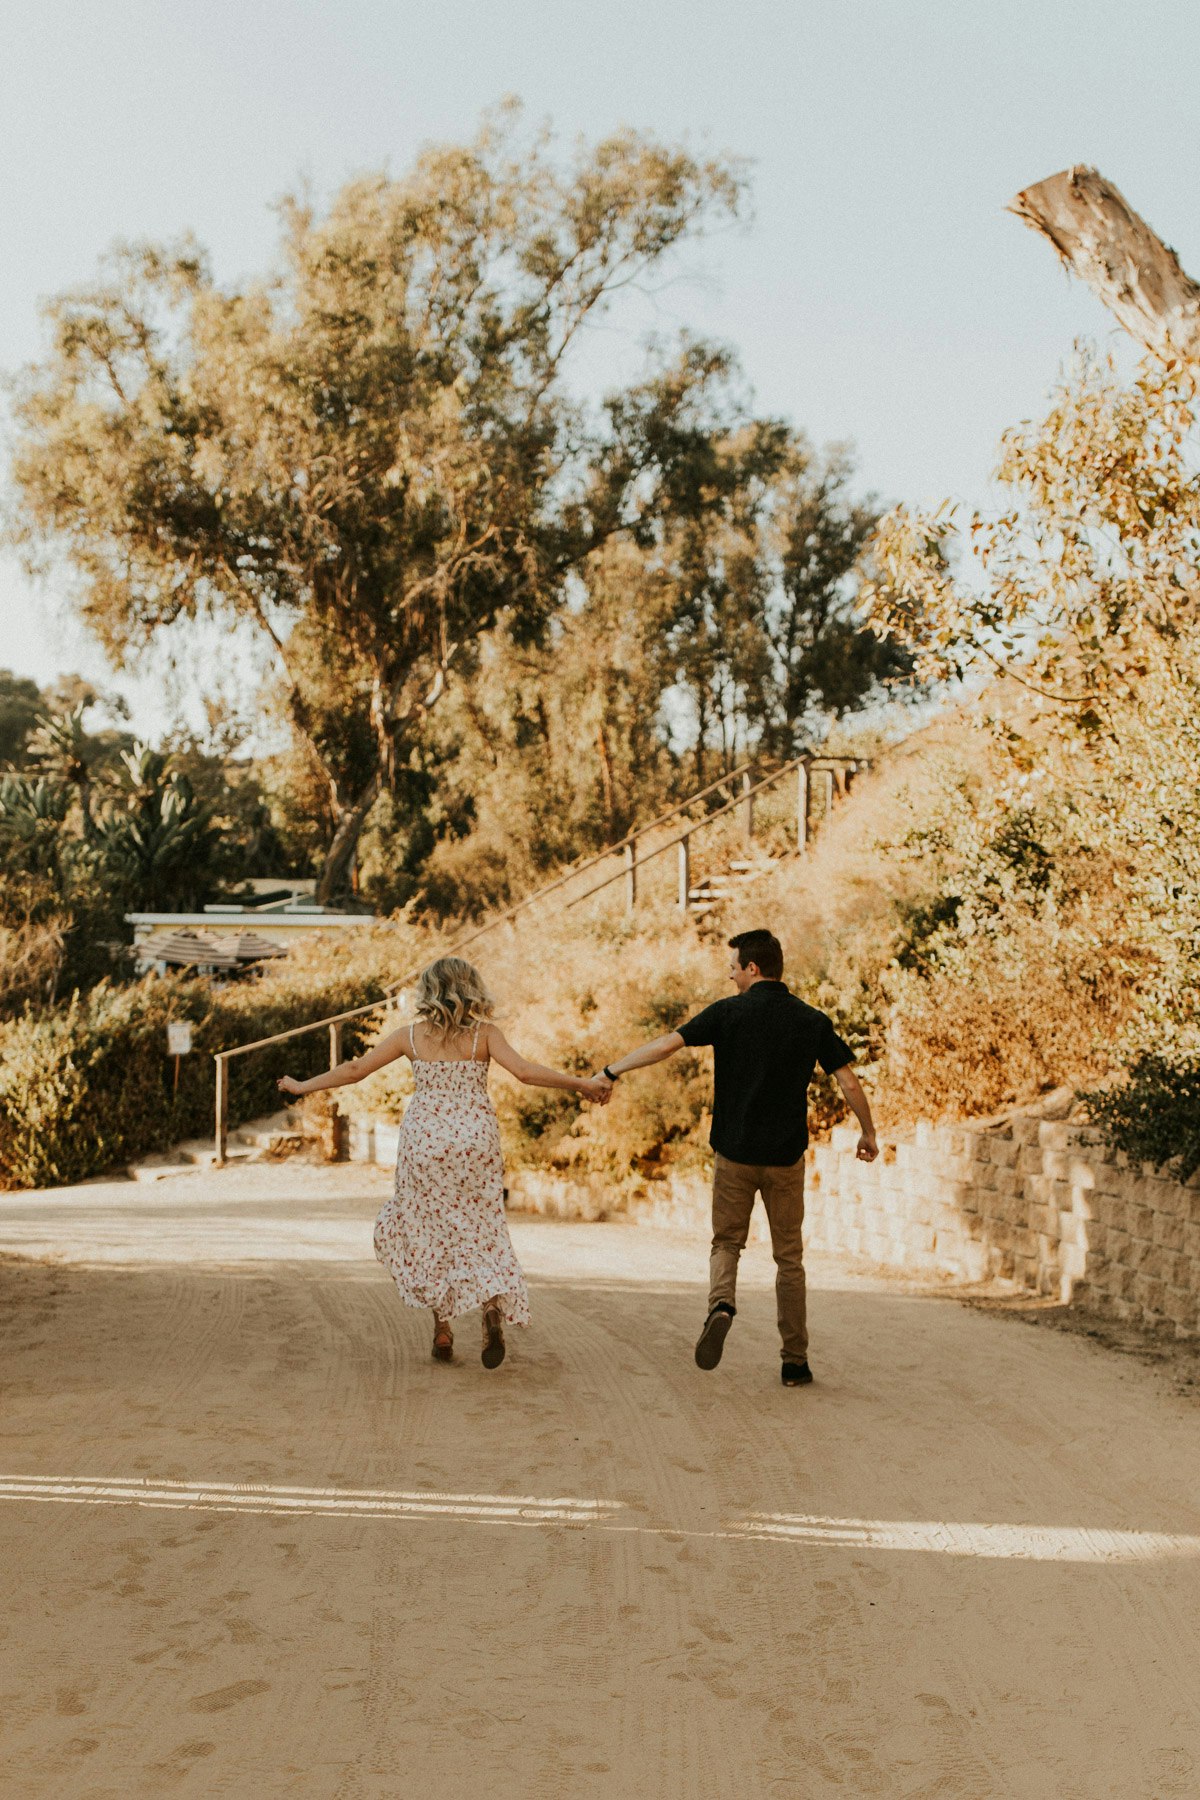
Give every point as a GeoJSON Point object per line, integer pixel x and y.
{"type": "Point", "coordinates": [1043, 1203]}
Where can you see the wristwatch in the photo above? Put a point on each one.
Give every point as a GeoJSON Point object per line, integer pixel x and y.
{"type": "Point", "coordinates": [608, 1072]}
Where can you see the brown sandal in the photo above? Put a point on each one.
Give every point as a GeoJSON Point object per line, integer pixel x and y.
{"type": "Point", "coordinates": [493, 1337]}
{"type": "Point", "coordinates": [443, 1341]}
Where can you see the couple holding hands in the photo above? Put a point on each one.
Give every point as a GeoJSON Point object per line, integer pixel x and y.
{"type": "Point", "coordinates": [443, 1235]}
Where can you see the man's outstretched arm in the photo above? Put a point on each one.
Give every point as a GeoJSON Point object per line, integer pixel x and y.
{"type": "Point", "coordinates": [852, 1087]}
{"type": "Point", "coordinates": [657, 1050]}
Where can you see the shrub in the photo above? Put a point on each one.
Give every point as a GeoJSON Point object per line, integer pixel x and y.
{"type": "Point", "coordinates": [1154, 1114]}
{"type": "Point", "coordinates": [89, 1086]}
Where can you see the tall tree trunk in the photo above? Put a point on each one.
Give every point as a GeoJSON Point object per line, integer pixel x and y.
{"type": "Point", "coordinates": [334, 878]}
{"type": "Point", "coordinates": [1102, 240]}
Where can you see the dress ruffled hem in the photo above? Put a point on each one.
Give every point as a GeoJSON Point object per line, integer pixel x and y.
{"type": "Point", "coordinates": [463, 1293]}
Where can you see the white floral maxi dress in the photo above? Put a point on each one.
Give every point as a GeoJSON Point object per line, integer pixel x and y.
{"type": "Point", "coordinates": [443, 1236]}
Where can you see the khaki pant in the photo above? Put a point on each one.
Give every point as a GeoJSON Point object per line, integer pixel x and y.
{"type": "Point", "coordinates": [782, 1190]}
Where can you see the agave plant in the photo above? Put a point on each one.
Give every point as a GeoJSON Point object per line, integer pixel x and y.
{"type": "Point", "coordinates": [63, 751]}
{"type": "Point", "coordinates": [156, 838]}
{"type": "Point", "coordinates": [32, 811]}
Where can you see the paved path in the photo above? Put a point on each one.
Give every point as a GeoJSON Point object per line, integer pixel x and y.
{"type": "Point", "coordinates": [260, 1545]}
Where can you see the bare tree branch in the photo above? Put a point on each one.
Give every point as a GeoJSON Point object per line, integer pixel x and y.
{"type": "Point", "coordinates": [1111, 248]}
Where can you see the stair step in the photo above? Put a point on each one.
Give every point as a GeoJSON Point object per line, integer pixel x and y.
{"type": "Point", "coordinates": [159, 1168]}
{"type": "Point", "coordinates": [261, 1133]}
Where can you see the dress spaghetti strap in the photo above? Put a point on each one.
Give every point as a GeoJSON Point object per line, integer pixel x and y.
{"type": "Point", "coordinates": [412, 1042]}
{"type": "Point", "coordinates": [475, 1044]}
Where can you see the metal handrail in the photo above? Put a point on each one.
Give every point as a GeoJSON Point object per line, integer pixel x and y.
{"type": "Point", "coordinates": [631, 837]}
{"type": "Point", "coordinates": [738, 800]}
{"type": "Point", "coordinates": [333, 1024]}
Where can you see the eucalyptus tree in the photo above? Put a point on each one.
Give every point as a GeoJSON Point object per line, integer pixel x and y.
{"type": "Point", "coordinates": [372, 452]}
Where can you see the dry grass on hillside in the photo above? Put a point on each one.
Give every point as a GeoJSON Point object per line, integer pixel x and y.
{"type": "Point", "coordinates": [1017, 993]}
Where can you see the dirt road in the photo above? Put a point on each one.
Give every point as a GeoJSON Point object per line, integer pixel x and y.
{"type": "Point", "coordinates": [255, 1543]}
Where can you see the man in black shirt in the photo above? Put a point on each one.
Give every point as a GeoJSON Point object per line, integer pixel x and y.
{"type": "Point", "coordinates": [766, 1044]}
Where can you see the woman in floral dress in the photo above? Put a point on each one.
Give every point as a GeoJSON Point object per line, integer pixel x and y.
{"type": "Point", "coordinates": [443, 1236]}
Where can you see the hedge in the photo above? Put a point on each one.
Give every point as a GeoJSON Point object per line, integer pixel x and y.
{"type": "Point", "coordinates": [89, 1087]}
{"type": "Point", "coordinates": [1154, 1114]}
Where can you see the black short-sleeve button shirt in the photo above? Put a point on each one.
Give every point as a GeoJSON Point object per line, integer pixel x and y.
{"type": "Point", "coordinates": [766, 1043]}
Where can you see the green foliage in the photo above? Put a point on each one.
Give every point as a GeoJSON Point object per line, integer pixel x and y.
{"type": "Point", "coordinates": [87, 1086]}
{"type": "Point", "coordinates": [20, 704]}
{"type": "Point", "coordinates": [367, 456]}
{"type": "Point", "coordinates": [157, 844]}
{"type": "Point", "coordinates": [1067, 904]}
{"type": "Point", "coordinates": [1154, 1114]}
{"type": "Point", "coordinates": [1091, 565]}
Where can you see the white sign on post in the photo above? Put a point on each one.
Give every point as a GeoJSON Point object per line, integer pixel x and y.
{"type": "Point", "coordinates": [179, 1038]}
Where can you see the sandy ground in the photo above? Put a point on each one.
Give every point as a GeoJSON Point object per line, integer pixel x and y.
{"type": "Point", "coordinates": [255, 1543]}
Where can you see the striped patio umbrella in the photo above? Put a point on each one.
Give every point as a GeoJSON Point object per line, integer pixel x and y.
{"type": "Point", "coordinates": [188, 950]}
{"type": "Point", "coordinates": [251, 947]}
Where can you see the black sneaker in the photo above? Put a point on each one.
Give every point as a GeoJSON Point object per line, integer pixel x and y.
{"type": "Point", "coordinates": [711, 1341]}
{"type": "Point", "coordinates": [791, 1374]}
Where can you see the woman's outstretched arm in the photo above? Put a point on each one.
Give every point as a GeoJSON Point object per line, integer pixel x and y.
{"type": "Point", "coordinates": [346, 1073]}
{"type": "Point", "coordinates": [537, 1074]}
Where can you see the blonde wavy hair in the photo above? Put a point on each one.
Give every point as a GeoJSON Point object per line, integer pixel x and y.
{"type": "Point", "coordinates": [452, 995]}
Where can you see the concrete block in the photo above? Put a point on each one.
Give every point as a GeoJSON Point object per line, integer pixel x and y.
{"type": "Point", "coordinates": [1029, 1161]}
{"type": "Point", "coordinates": [1114, 1212]}
{"type": "Point", "coordinates": [1044, 1220]}
{"type": "Point", "coordinates": [1141, 1221]}
{"type": "Point", "coordinates": [1168, 1199]}
{"type": "Point", "coordinates": [360, 1140]}
{"type": "Point", "coordinates": [1152, 1262]}
{"type": "Point", "coordinates": [973, 1261]}
{"type": "Point", "coordinates": [1105, 1176]}
{"type": "Point", "coordinates": [1038, 1189]}
{"type": "Point", "coordinates": [1073, 1262]}
{"type": "Point", "coordinates": [387, 1144]}
{"type": "Point", "coordinates": [1072, 1229]}
{"type": "Point", "coordinates": [1119, 1245]}
{"type": "Point", "coordinates": [1182, 1307]}
{"type": "Point", "coordinates": [1056, 1163]}
{"type": "Point", "coordinates": [1095, 1238]}
{"type": "Point", "coordinates": [1002, 1152]}
{"type": "Point", "coordinates": [1168, 1231]}
{"type": "Point", "coordinates": [1115, 1280]}
{"type": "Point", "coordinates": [1150, 1294]}
{"type": "Point", "coordinates": [1181, 1271]}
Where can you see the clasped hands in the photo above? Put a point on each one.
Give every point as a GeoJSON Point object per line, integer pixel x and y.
{"type": "Point", "coordinates": [598, 1088]}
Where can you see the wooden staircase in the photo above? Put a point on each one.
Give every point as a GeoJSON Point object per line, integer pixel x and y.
{"type": "Point", "coordinates": [739, 874]}
{"type": "Point", "coordinates": [739, 790]}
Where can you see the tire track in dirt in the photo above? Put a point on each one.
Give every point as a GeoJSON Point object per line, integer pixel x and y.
{"type": "Point", "coordinates": [348, 1658]}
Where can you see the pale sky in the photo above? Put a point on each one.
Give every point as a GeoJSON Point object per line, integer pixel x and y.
{"type": "Point", "coordinates": [881, 294]}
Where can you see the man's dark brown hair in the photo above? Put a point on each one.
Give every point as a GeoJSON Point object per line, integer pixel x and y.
{"type": "Point", "coordinates": [763, 949]}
